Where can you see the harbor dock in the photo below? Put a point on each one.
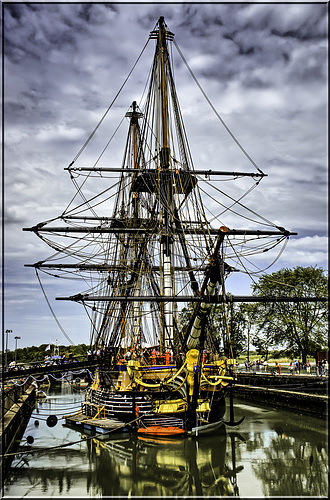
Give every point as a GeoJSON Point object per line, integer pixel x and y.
{"type": "Point", "coordinates": [307, 394]}
{"type": "Point", "coordinates": [18, 403]}
{"type": "Point", "coordinates": [99, 425]}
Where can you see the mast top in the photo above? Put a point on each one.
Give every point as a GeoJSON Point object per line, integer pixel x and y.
{"type": "Point", "coordinates": [135, 113]}
{"type": "Point", "coordinates": [162, 27]}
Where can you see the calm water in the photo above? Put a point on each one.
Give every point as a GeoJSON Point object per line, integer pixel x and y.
{"type": "Point", "coordinates": [272, 453]}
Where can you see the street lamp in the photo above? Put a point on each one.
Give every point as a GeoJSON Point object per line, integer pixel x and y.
{"type": "Point", "coordinates": [7, 331]}
{"type": "Point", "coordinates": [16, 339]}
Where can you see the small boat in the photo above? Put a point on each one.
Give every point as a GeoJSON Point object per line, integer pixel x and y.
{"type": "Point", "coordinates": [78, 383]}
{"type": "Point", "coordinates": [159, 430]}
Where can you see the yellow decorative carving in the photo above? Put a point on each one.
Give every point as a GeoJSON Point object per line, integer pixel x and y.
{"type": "Point", "coordinates": [176, 405]}
{"type": "Point", "coordinates": [218, 381]}
{"type": "Point", "coordinates": [203, 406]}
{"type": "Point", "coordinates": [192, 360]}
{"type": "Point", "coordinates": [96, 384]}
{"type": "Point", "coordinates": [139, 381]}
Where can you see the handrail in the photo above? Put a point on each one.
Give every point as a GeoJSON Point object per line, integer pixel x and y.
{"type": "Point", "coordinates": [97, 414]}
{"type": "Point", "coordinates": [42, 370]}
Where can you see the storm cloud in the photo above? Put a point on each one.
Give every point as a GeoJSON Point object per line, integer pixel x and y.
{"type": "Point", "coordinates": [263, 66]}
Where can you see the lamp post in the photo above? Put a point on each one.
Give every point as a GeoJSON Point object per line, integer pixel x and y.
{"type": "Point", "coordinates": [16, 339]}
{"type": "Point", "coordinates": [7, 331]}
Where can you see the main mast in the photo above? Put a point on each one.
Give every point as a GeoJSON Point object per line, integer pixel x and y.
{"type": "Point", "coordinates": [166, 210]}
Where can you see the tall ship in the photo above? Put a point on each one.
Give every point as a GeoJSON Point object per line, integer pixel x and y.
{"type": "Point", "coordinates": [149, 242]}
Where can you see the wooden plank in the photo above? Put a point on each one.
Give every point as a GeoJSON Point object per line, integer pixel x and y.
{"type": "Point", "coordinates": [97, 424]}
{"type": "Point", "coordinates": [14, 422]}
{"type": "Point", "coordinates": [105, 423]}
{"type": "Point", "coordinates": [77, 418]}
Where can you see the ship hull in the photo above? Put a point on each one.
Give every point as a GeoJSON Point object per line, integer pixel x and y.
{"type": "Point", "coordinates": [141, 409]}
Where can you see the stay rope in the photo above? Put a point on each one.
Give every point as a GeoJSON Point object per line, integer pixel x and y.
{"type": "Point", "coordinates": [108, 109]}
{"type": "Point", "coordinates": [215, 111]}
{"type": "Point", "coordinates": [52, 311]}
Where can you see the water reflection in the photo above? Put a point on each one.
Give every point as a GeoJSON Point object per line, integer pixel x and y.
{"type": "Point", "coordinates": [172, 467]}
{"type": "Point", "coordinates": [272, 453]}
{"type": "Point", "coordinates": [288, 452]}
{"type": "Point", "coordinates": [298, 467]}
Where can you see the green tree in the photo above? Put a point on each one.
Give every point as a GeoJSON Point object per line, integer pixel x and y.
{"type": "Point", "coordinates": [230, 324]}
{"type": "Point", "coordinates": [247, 312]}
{"type": "Point", "coordinates": [299, 327]}
{"type": "Point", "coordinates": [225, 328]}
{"type": "Point", "coordinates": [38, 353]}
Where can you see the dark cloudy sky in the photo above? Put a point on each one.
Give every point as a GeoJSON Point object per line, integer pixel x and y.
{"type": "Point", "coordinates": [264, 67]}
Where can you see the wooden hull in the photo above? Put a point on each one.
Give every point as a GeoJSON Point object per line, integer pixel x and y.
{"type": "Point", "coordinates": [134, 407]}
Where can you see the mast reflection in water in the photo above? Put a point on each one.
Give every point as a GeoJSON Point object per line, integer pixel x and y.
{"type": "Point", "coordinates": [272, 453]}
{"type": "Point", "coordinates": [146, 467]}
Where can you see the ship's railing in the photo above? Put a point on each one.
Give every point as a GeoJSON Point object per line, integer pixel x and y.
{"type": "Point", "coordinates": [90, 406]}
{"type": "Point", "coordinates": [271, 368]}
{"type": "Point", "coordinates": [157, 359]}
{"type": "Point", "coordinates": [99, 411]}
{"type": "Point", "coordinates": [87, 404]}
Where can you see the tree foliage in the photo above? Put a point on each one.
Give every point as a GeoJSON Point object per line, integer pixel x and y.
{"type": "Point", "coordinates": [296, 328]}
{"type": "Point", "coordinates": [292, 328]}
{"type": "Point", "coordinates": [225, 329]}
{"type": "Point", "coordinates": [299, 327]}
{"type": "Point", "coordinates": [37, 353]}
{"type": "Point", "coordinates": [231, 322]}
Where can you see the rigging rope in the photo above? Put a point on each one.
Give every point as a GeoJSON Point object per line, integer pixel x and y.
{"type": "Point", "coordinates": [266, 221]}
{"type": "Point", "coordinates": [215, 111]}
{"type": "Point", "coordinates": [51, 310]}
{"type": "Point", "coordinates": [79, 188]}
{"type": "Point", "coordinates": [107, 111]}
